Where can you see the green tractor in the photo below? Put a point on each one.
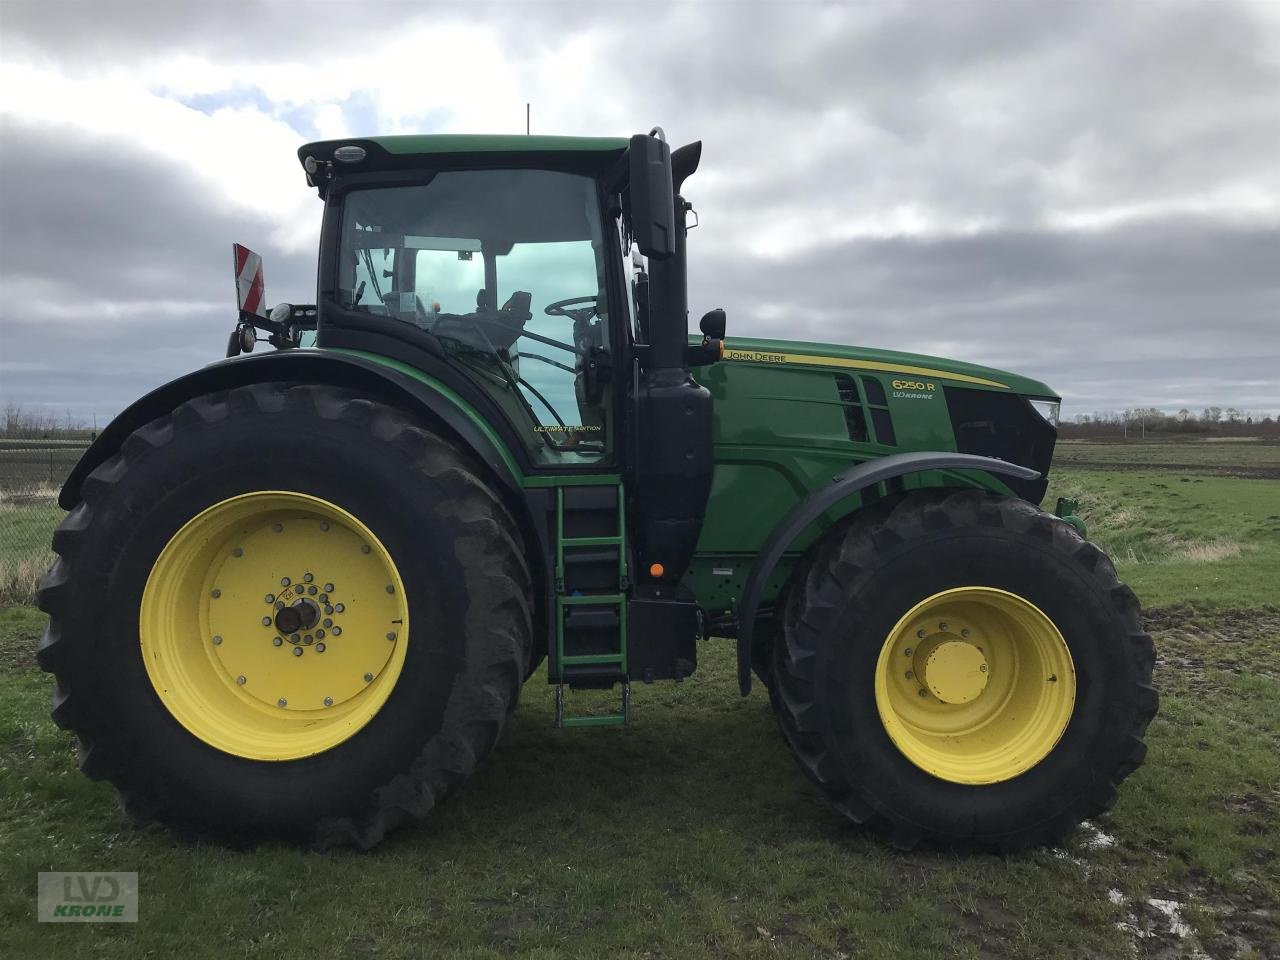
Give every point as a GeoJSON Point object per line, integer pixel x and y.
{"type": "Point", "coordinates": [298, 591]}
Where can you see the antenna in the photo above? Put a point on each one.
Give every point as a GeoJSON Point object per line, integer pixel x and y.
{"type": "Point", "coordinates": [526, 119]}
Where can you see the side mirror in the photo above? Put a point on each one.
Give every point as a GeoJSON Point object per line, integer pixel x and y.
{"type": "Point", "coordinates": [712, 324]}
{"type": "Point", "coordinates": [653, 211]}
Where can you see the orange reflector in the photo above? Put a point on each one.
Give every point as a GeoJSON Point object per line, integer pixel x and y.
{"type": "Point", "coordinates": [656, 569]}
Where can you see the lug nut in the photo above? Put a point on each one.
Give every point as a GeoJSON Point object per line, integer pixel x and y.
{"type": "Point", "coordinates": [328, 701]}
{"type": "Point", "coordinates": [339, 607]}
{"type": "Point", "coordinates": [907, 652]}
{"type": "Point", "coordinates": [308, 639]}
{"type": "Point", "coordinates": [390, 588]}
{"type": "Point", "coordinates": [216, 594]}
{"type": "Point", "coordinates": [277, 641]}
{"type": "Point", "coordinates": [282, 702]}
{"type": "Point", "coordinates": [319, 648]}
{"type": "Point", "coordinates": [921, 634]}
{"type": "Point", "coordinates": [911, 674]}
{"type": "Point", "coordinates": [923, 692]}
{"type": "Point", "coordinates": [328, 622]}
{"type": "Point", "coordinates": [323, 598]}
{"type": "Point", "coordinates": [319, 634]}
{"type": "Point", "coordinates": [368, 678]}
{"type": "Point", "coordinates": [285, 581]}
{"type": "Point", "coordinates": [328, 588]}
{"type": "Point", "coordinates": [311, 590]}
{"type": "Point", "coordinates": [270, 598]}
{"type": "Point", "coordinates": [391, 636]}
{"type": "Point", "coordinates": [294, 638]}
{"type": "Point", "coordinates": [238, 552]}
{"type": "Point", "coordinates": [266, 621]}
{"type": "Point", "coordinates": [297, 651]}
{"type": "Point", "coordinates": [983, 668]}
{"type": "Point", "coordinates": [942, 626]}
{"type": "Point", "coordinates": [337, 631]}
{"type": "Point", "coordinates": [217, 641]}
{"type": "Point", "coordinates": [964, 632]}
{"type": "Point", "coordinates": [240, 679]}
{"type": "Point", "coordinates": [308, 577]}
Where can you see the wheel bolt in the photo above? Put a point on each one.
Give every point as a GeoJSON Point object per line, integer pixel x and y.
{"type": "Point", "coordinates": [983, 668]}
{"type": "Point", "coordinates": [270, 598]}
{"type": "Point", "coordinates": [319, 634]}
{"type": "Point", "coordinates": [308, 639]}
{"type": "Point", "coordinates": [308, 577]}
{"type": "Point", "coordinates": [337, 631]}
{"type": "Point", "coordinates": [907, 652]}
{"type": "Point", "coordinates": [323, 598]}
{"type": "Point", "coordinates": [285, 581]}
{"type": "Point", "coordinates": [391, 636]}
{"type": "Point", "coordinates": [924, 692]}
{"type": "Point", "coordinates": [238, 552]}
{"type": "Point", "coordinates": [311, 590]}
{"type": "Point", "coordinates": [240, 679]}
{"type": "Point", "coordinates": [266, 621]}
{"type": "Point", "coordinates": [328, 701]}
{"type": "Point", "coordinates": [328, 622]}
{"type": "Point", "coordinates": [911, 675]}
{"type": "Point", "coordinates": [216, 594]}
{"type": "Point", "coordinates": [295, 638]}
{"type": "Point", "coordinates": [328, 588]}
{"type": "Point", "coordinates": [282, 702]}
{"type": "Point", "coordinates": [964, 632]}
{"type": "Point", "coordinates": [921, 634]}
{"type": "Point", "coordinates": [328, 608]}
{"type": "Point", "coordinates": [319, 648]}
{"type": "Point", "coordinates": [277, 641]}
{"type": "Point", "coordinates": [279, 604]}
{"type": "Point", "coordinates": [390, 588]}
{"type": "Point", "coordinates": [339, 607]}
{"type": "Point", "coordinates": [942, 626]}
{"type": "Point", "coordinates": [217, 641]}
{"type": "Point", "coordinates": [297, 651]}
{"type": "Point", "coordinates": [368, 678]}
{"type": "Point", "coordinates": [324, 524]}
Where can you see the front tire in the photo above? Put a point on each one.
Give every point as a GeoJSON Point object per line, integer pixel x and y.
{"type": "Point", "coordinates": [286, 612]}
{"type": "Point", "coordinates": [963, 670]}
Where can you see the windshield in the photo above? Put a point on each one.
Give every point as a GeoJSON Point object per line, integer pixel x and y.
{"type": "Point", "coordinates": [506, 269]}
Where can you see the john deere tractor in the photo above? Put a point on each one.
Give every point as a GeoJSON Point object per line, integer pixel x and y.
{"type": "Point", "coordinates": [298, 591]}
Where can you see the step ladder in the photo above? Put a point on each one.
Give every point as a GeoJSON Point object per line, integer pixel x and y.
{"type": "Point", "coordinates": [591, 602]}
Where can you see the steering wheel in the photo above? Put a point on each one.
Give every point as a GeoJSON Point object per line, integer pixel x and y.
{"type": "Point", "coordinates": [565, 308]}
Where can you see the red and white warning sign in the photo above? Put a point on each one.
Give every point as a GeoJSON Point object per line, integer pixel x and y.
{"type": "Point", "coordinates": [249, 287]}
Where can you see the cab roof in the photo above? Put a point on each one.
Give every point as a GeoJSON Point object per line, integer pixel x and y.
{"type": "Point", "coordinates": [585, 154]}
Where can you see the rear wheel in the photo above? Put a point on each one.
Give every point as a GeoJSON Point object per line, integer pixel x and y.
{"type": "Point", "coordinates": [963, 670]}
{"type": "Point", "coordinates": [286, 612]}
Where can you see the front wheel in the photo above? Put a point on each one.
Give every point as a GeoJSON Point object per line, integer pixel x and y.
{"type": "Point", "coordinates": [286, 611]}
{"type": "Point", "coordinates": [963, 670]}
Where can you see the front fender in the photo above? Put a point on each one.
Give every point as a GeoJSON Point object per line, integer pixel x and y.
{"type": "Point", "coordinates": [420, 393]}
{"type": "Point", "coordinates": [819, 501]}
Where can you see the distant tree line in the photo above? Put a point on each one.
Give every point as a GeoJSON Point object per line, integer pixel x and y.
{"type": "Point", "coordinates": [1139, 422]}
{"type": "Point", "coordinates": [21, 423]}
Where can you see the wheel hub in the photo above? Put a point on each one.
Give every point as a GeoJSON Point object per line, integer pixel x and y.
{"type": "Point", "coordinates": [956, 671]}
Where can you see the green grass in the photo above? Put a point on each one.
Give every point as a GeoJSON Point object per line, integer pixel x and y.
{"type": "Point", "coordinates": [26, 528]}
{"type": "Point", "coordinates": [691, 834]}
{"type": "Point", "coordinates": [1240, 457]}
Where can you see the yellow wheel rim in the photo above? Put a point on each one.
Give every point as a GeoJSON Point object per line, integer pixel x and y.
{"type": "Point", "coordinates": [975, 685]}
{"type": "Point", "coordinates": [273, 625]}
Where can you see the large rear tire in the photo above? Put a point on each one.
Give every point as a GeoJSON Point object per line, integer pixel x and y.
{"type": "Point", "coordinates": [286, 612]}
{"type": "Point", "coordinates": [963, 670]}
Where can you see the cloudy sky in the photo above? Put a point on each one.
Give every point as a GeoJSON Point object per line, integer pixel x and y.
{"type": "Point", "coordinates": [1085, 192]}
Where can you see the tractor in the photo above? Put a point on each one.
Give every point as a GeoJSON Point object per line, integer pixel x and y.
{"type": "Point", "coordinates": [298, 591]}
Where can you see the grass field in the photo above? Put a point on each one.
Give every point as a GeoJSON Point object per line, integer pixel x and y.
{"type": "Point", "coordinates": [692, 834]}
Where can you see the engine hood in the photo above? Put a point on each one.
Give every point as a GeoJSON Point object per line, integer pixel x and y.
{"type": "Point", "coordinates": [909, 366]}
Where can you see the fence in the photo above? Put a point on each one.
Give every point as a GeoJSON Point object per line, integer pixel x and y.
{"type": "Point", "coordinates": [31, 472]}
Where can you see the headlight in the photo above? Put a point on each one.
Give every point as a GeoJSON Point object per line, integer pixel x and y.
{"type": "Point", "coordinates": [1047, 409]}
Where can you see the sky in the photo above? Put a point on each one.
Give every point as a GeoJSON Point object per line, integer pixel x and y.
{"type": "Point", "coordinates": [1087, 193]}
